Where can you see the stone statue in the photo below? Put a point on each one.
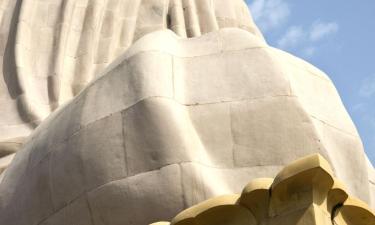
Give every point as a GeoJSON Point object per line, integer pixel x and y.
{"type": "Point", "coordinates": [129, 111]}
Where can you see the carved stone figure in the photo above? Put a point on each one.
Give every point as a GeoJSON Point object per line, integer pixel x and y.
{"type": "Point", "coordinates": [129, 111]}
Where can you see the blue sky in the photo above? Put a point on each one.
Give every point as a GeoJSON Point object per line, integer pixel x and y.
{"type": "Point", "coordinates": [336, 36]}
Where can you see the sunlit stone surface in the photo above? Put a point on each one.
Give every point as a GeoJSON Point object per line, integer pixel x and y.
{"type": "Point", "coordinates": [304, 192]}
{"type": "Point", "coordinates": [144, 108]}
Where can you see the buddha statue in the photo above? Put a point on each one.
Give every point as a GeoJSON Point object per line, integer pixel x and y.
{"type": "Point", "coordinates": [129, 111]}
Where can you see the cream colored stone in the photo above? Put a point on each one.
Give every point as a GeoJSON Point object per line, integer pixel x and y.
{"type": "Point", "coordinates": [107, 201]}
{"type": "Point", "coordinates": [213, 126]}
{"type": "Point", "coordinates": [301, 194]}
{"type": "Point", "coordinates": [154, 150]}
{"type": "Point", "coordinates": [221, 210]}
{"type": "Point", "coordinates": [198, 180]}
{"type": "Point", "coordinates": [78, 212]}
{"type": "Point", "coordinates": [4, 162]}
{"type": "Point", "coordinates": [128, 121]}
{"type": "Point", "coordinates": [353, 212]}
{"type": "Point", "coordinates": [255, 197]}
{"type": "Point", "coordinates": [70, 29]}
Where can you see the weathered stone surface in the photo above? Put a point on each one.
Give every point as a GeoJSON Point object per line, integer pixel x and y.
{"type": "Point", "coordinates": [145, 121]}
{"type": "Point", "coordinates": [303, 193]}
{"type": "Point", "coordinates": [138, 126]}
{"type": "Point", "coordinates": [118, 202]}
{"type": "Point", "coordinates": [51, 50]}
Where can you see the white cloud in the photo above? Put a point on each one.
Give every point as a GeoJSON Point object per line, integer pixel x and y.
{"type": "Point", "coordinates": [309, 51]}
{"type": "Point", "coordinates": [291, 38]}
{"type": "Point", "coordinates": [359, 107]}
{"type": "Point", "coordinates": [269, 14]}
{"type": "Point", "coordinates": [320, 30]}
{"type": "Point", "coordinates": [305, 39]}
{"type": "Point", "coordinates": [367, 88]}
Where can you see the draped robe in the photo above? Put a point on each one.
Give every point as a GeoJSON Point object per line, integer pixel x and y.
{"type": "Point", "coordinates": [128, 111]}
